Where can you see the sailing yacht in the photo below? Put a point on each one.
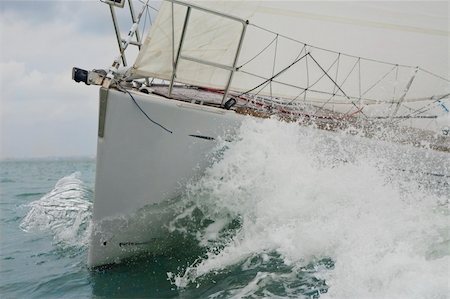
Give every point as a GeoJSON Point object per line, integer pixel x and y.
{"type": "Point", "coordinates": [202, 69]}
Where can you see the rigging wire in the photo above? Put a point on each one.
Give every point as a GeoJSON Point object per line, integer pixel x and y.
{"type": "Point", "coordinates": [274, 63]}
{"type": "Point", "coordinates": [148, 5]}
{"type": "Point", "coordinates": [145, 20]}
{"type": "Point", "coordinates": [336, 87]}
{"type": "Point", "coordinates": [420, 110]}
{"type": "Point", "coordinates": [341, 85]}
{"type": "Point", "coordinates": [328, 50]}
{"type": "Point", "coordinates": [254, 57]}
{"type": "Point", "coordinates": [307, 79]}
{"type": "Point", "coordinates": [358, 61]}
{"type": "Point", "coordinates": [379, 80]}
{"type": "Point", "coordinates": [274, 76]}
{"type": "Point", "coordinates": [353, 103]}
{"type": "Point", "coordinates": [433, 74]}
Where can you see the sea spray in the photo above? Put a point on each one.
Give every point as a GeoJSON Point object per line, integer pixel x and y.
{"type": "Point", "coordinates": [65, 212]}
{"type": "Point", "coordinates": [302, 196]}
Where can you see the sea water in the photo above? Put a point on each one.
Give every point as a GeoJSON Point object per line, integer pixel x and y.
{"type": "Point", "coordinates": [283, 212]}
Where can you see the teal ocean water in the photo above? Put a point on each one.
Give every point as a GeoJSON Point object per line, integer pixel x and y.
{"type": "Point", "coordinates": [46, 209]}
{"type": "Point", "coordinates": [272, 220]}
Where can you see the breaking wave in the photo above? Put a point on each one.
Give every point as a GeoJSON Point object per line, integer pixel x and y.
{"type": "Point", "coordinates": [300, 212]}
{"type": "Point", "coordinates": [65, 212]}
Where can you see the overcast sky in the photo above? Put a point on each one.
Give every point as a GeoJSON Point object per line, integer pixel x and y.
{"type": "Point", "coordinates": [43, 113]}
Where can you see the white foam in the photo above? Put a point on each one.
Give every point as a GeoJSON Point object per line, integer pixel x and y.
{"type": "Point", "coordinates": [65, 212]}
{"type": "Point", "coordinates": [307, 195]}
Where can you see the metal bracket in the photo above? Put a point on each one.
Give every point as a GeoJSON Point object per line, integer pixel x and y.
{"type": "Point", "coordinates": [94, 77]}
{"type": "Point", "coordinates": [177, 59]}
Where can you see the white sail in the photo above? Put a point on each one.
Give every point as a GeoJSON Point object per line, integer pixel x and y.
{"type": "Point", "coordinates": [208, 37]}
{"type": "Point", "coordinates": [278, 64]}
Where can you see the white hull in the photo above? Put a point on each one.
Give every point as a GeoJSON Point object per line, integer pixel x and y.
{"type": "Point", "coordinates": [140, 166]}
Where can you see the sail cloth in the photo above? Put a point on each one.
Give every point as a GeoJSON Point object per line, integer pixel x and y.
{"type": "Point", "coordinates": [208, 37]}
{"type": "Point", "coordinates": [273, 62]}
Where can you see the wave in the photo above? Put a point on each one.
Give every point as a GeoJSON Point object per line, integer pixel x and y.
{"type": "Point", "coordinates": [65, 212]}
{"type": "Point", "coordinates": [341, 207]}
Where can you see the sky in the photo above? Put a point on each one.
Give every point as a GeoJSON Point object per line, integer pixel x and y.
{"type": "Point", "coordinates": [43, 113]}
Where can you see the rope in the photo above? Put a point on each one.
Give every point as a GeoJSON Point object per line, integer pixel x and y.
{"type": "Point", "coordinates": [339, 87]}
{"type": "Point", "coordinates": [145, 21]}
{"type": "Point", "coordinates": [274, 76]}
{"type": "Point", "coordinates": [433, 74]}
{"type": "Point", "coordinates": [143, 112]}
{"type": "Point", "coordinates": [148, 5]}
{"type": "Point", "coordinates": [335, 84]}
{"type": "Point", "coordinates": [307, 77]}
{"type": "Point", "coordinates": [379, 80]}
{"type": "Point", "coordinates": [337, 72]}
{"type": "Point", "coordinates": [345, 80]}
{"type": "Point", "coordinates": [309, 86]}
{"type": "Point", "coordinates": [395, 85]}
{"type": "Point", "coordinates": [304, 89]}
{"type": "Point", "coordinates": [274, 63]}
{"type": "Point", "coordinates": [328, 50]}
{"type": "Point", "coordinates": [402, 98]}
{"type": "Point", "coordinates": [265, 48]}
{"type": "Point", "coordinates": [420, 110]}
